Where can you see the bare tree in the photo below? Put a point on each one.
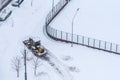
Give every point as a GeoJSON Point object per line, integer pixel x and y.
{"type": "Point", "coordinates": [36, 64]}
{"type": "Point", "coordinates": [16, 64]}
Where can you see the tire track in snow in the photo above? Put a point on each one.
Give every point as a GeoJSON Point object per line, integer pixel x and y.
{"type": "Point", "coordinates": [57, 66]}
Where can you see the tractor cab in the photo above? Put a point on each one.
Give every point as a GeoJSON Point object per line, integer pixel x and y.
{"type": "Point", "coordinates": [37, 43]}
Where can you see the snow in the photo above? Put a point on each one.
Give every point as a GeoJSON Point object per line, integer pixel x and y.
{"type": "Point", "coordinates": [95, 19]}
{"type": "Point", "coordinates": [28, 21]}
{"type": "Point", "coordinates": [15, 29]}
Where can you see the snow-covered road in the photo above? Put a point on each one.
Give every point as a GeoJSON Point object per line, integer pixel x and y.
{"type": "Point", "coordinates": [59, 67]}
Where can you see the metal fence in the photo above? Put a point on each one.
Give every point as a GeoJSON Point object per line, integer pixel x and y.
{"type": "Point", "coordinates": [83, 40]}
{"type": "Point", "coordinates": [77, 39]}
{"type": "Point", "coordinates": [56, 9]}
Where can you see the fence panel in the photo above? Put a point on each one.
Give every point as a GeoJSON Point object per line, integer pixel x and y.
{"type": "Point", "coordinates": [69, 37]}
{"type": "Point", "coordinates": [53, 10]}
{"type": "Point", "coordinates": [108, 46]}
{"type": "Point", "coordinates": [54, 32]}
{"type": "Point", "coordinates": [63, 2]}
{"type": "Point", "coordinates": [57, 6]}
{"type": "Point", "coordinates": [85, 41]}
{"type": "Point", "coordinates": [50, 30]}
{"type": "Point", "coordinates": [50, 16]}
{"type": "Point", "coordinates": [118, 48]}
{"type": "Point", "coordinates": [64, 35]}
{"type": "Point", "coordinates": [58, 34]}
{"type": "Point", "coordinates": [102, 45]}
{"type": "Point", "coordinates": [74, 38]}
{"type": "Point", "coordinates": [113, 47]}
{"type": "Point", "coordinates": [91, 42]}
{"type": "Point", "coordinates": [96, 43]}
{"type": "Point", "coordinates": [79, 39]}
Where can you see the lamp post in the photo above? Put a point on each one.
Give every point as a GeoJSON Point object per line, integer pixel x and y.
{"type": "Point", "coordinates": [25, 64]}
{"type": "Point", "coordinates": [73, 24]}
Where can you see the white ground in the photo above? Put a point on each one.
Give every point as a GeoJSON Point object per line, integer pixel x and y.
{"type": "Point", "coordinates": [28, 21]}
{"type": "Point", "coordinates": [96, 18]}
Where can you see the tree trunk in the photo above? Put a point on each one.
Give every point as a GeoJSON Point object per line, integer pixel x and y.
{"type": "Point", "coordinates": [18, 73]}
{"type": "Point", "coordinates": [35, 71]}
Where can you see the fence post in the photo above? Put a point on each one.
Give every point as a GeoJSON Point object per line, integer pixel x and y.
{"type": "Point", "coordinates": [88, 41]}
{"type": "Point", "coordinates": [61, 34]}
{"type": "Point", "coordinates": [105, 45]}
{"type": "Point", "coordinates": [99, 43]}
{"type": "Point", "coordinates": [50, 30]}
{"type": "Point", "coordinates": [83, 40]}
{"type": "Point", "coordinates": [77, 39]}
{"type": "Point", "coordinates": [94, 43]}
{"type": "Point", "coordinates": [56, 33]}
{"type": "Point", "coordinates": [60, 4]}
{"type": "Point", "coordinates": [66, 36]}
{"type": "Point", "coordinates": [116, 48]}
{"type": "Point", "coordinates": [46, 21]}
{"type": "Point", "coordinates": [110, 46]}
{"type": "Point", "coordinates": [53, 32]}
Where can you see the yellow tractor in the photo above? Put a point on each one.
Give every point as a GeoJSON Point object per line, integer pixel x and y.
{"type": "Point", "coordinates": [35, 47]}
